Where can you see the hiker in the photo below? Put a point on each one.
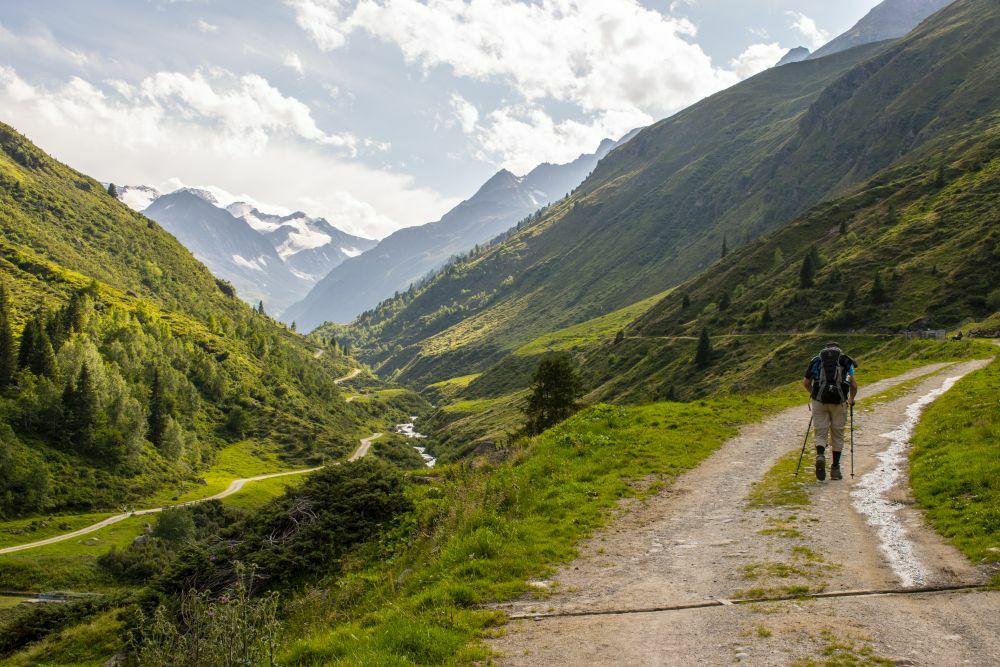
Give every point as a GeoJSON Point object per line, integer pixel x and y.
{"type": "Point", "coordinates": [829, 379]}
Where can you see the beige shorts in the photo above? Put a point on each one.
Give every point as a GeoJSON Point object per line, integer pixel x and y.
{"type": "Point", "coordinates": [829, 420]}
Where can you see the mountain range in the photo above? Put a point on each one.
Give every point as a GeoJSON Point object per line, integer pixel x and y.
{"type": "Point", "coordinates": [407, 256]}
{"type": "Point", "coordinates": [269, 258]}
{"type": "Point", "coordinates": [667, 204]}
{"type": "Point", "coordinates": [890, 19]}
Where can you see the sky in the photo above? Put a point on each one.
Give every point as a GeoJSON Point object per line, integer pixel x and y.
{"type": "Point", "coordinates": [376, 114]}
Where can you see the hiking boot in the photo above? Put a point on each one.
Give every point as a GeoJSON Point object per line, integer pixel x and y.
{"type": "Point", "coordinates": [820, 467]}
{"type": "Point", "coordinates": [835, 472]}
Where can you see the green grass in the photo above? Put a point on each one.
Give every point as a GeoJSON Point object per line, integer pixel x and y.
{"type": "Point", "coordinates": [71, 563]}
{"type": "Point", "coordinates": [90, 643]}
{"type": "Point", "coordinates": [7, 602]}
{"type": "Point", "coordinates": [955, 464]}
{"type": "Point", "coordinates": [21, 531]}
{"type": "Point", "coordinates": [480, 534]}
{"type": "Point", "coordinates": [779, 486]}
{"type": "Point", "coordinates": [238, 461]}
{"type": "Point", "coordinates": [255, 494]}
{"type": "Point", "coordinates": [834, 650]}
{"type": "Point", "coordinates": [475, 405]}
{"type": "Point", "coordinates": [589, 332]}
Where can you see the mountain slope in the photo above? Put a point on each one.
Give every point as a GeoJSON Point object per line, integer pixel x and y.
{"type": "Point", "coordinates": [798, 54]}
{"type": "Point", "coordinates": [407, 256]}
{"type": "Point", "coordinates": [267, 257]}
{"type": "Point", "coordinates": [657, 210]}
{"type": "Point", "coordinates": [890, 19]}
{"type": "Point", "coordinates": [228, 247]}
{"type": "Point", "coordinates": [134, 365]}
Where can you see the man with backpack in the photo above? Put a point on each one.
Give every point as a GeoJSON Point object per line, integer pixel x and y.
{"type": "Point", "coordinates": [830, 382]}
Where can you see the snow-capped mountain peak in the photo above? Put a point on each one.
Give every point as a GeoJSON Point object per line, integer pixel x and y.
{"type": "Point", "coordinates": [137, 197]}
{"type": "Point", "coordinates": [268, 255]}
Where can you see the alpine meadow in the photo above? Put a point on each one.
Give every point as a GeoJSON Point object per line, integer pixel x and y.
{"type": "Point", "coordinates": [296, 369]}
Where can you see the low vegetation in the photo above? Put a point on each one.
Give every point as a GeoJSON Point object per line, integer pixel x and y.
{"type": "Point", "coordinates": [955, 468]}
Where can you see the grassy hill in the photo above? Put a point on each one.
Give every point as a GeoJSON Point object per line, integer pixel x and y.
{"type": "Point", "coordinates": [929, 229]}
{"type": "Point", "coordinates": [144, 364]}
{"type": "Point", "coordinates": [657, 210]}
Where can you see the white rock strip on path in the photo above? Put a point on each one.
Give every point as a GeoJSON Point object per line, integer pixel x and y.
{"type": "Point", "coordinates": [234, 487]}
{"type": "Point", "coordinates": [881, 512]}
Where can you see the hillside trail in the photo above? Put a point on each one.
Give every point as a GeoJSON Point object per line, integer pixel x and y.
{"type": "Point", "coordinates": [350, 376]}
{"type": "Point", "coordinates": [701, 541]}
{"type": "Point", "coordinates": [234, 487]}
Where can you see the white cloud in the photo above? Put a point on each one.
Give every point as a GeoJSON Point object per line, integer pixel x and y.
{"type": "Point", "coordinates": [807, 27]}
{"type": "Point", "coordinates": [465, 112]}
{"type": "Point", "coordinates": [606, 55]}
{"type": "Point", "coordinates": [620, 64]}
{"type": "Point", "coordinates": [320, 18]}
{"type": "Point", "coordinates": [235, 132]}
{"type": "Point", "coordinates": [43, 45]}
{"type": "Point", "coordinates": [520, 137]}
{"type": "Point", "coordinates": [205, 26]}
{"type": "Point", "coordinates": [757, 58]}
{"type": "Point", "coordinates": [292, 61]}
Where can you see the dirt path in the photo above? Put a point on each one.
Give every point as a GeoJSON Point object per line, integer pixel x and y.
{"type": "Point", "coordinates": [700, 541]}
{"type": "Point", "coordinates": [234, 487]}
{"type": "Point", "coordinates": [350, 376]}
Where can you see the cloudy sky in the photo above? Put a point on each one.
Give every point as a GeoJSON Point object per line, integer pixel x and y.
{"type": "Point", "coordinates": [377, 114]}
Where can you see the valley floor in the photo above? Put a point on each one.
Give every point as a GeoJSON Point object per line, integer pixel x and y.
{"type": "Point", "coordinates": [723, 531]}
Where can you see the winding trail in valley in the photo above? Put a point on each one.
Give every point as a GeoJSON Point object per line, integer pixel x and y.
{"type": "Point", "coordinates": [350, 376]}
{"type": "Point", "coordinates": [700, 542]}
{"type": "Point", "coordinates": [234, 487]}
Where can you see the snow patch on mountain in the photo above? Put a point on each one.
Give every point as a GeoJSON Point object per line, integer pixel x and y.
{"type": "Point", "coordinates": [302, 237]}
{"type": "Point", "coordinates": [350, 252]}
{"type": "Point", "coordinates": [257, 264]}
{"type": "Point", "coordinates": [137, 197]}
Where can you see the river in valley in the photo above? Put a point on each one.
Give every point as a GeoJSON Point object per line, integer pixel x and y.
{"type": "Point", "coordinates": [409, 430]}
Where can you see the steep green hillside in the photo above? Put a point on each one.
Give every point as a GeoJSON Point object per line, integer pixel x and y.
{"type": "Point", "coordinates": [124, 365]}
{"type": "Point", "coordinates": [931, 231]}
{"type": "Point", "coordinates": [658, 209]}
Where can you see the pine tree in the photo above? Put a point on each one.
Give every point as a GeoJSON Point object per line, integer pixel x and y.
{"type": "Point", "coordinates": [808, 271]}
{"type": "Point", "coordinates": [112, 190]}
{"type": "Point", "coordinates": [159, 410]}
{"type": "Point", "coordinates": [29, 340]}
{"type": "Point", "coordinates": [765, 317]}
{"type": "Point", "coordinates": [686, 301]}
{"type": "Point", "coordinates": [843, 227]}
{"type": "Point", "coordinates": [36, 353]}
{"type": "Point", "coordinates": [8, 360]}
{"type": "Point", "coordinates": [725, 301]}
{"type": "Point", "coordinates": [725, 247]}
{"type": "Point", "coordinates": [703, 356]}
{"type": "Point", "coordinates": [260, 307]}
{"type": "Point", "coordinates": [817, 260]}
{"type": "Point", "coordinates": [939, 177]}
{"type": "Point", "coordinates": [293, 328]}
{"type": "Point", "coordinates": [80, 412]}
{"type": "Point", "coordinates": [878, 294]}
{"type": "Point", "coordinates": [851, 297]}
{"type": "Point", "coordinates": [555, 387]}
{"type": "Point", "coordinates": [891, 216]}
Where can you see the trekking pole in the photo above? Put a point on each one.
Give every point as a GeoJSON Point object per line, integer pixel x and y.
{"type": "Point", "coordinates": [852, 440]}
{"type": "Point", "coordinates": [806, 439]}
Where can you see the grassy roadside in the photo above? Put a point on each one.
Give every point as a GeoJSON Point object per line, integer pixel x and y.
{"type": "Point", "coordinates": [955, 465]}
{"type": "Point", "coordinates": [71, 564]}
